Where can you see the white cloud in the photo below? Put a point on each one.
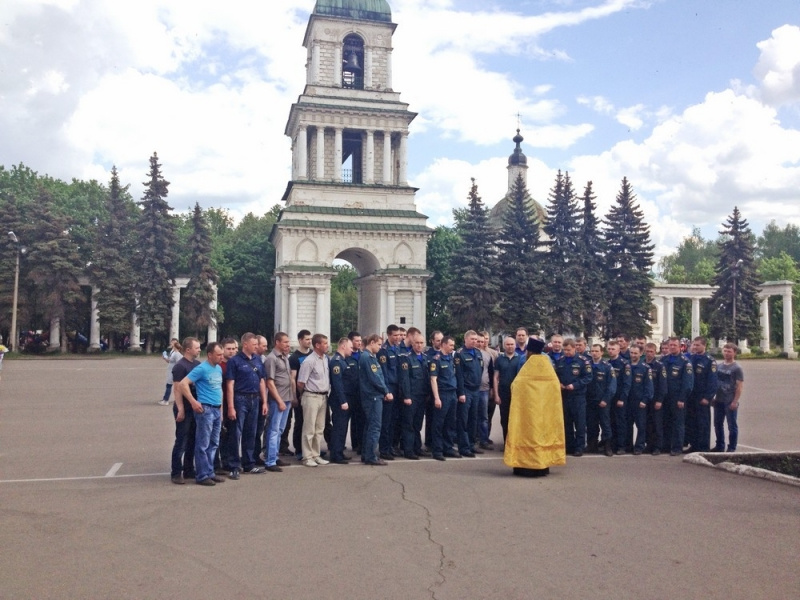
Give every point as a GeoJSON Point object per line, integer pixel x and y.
{"type": "Point", "coordinates": [631, 117]}
{"type": "Point", "coordinates": [778, 67]}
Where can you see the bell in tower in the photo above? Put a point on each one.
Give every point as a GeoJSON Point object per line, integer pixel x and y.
{"type": "Point", "coordinates": [352, 59]}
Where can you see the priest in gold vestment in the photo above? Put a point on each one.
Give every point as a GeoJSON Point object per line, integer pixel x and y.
{"type": "Point", "coordinates": [536, 417]}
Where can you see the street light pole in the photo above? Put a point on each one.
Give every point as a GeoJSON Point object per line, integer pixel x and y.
{"type": "Point", "coordinates": [14, 336]}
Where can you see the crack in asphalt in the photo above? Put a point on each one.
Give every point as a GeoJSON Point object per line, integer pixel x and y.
{"type": "Point", "coordinates": [428, 529]}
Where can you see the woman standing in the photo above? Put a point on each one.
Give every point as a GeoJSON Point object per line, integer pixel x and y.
{"type": "Point", "coordinates": [171, 357]}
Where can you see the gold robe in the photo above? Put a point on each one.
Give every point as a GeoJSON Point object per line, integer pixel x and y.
{"type": "Point", "coordinates": [536, 418]}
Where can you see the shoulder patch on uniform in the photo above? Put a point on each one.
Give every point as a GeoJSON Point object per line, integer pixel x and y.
{"type": "Point", "coordinates": [433, 367]}
{"type": "Point", "coordinates": [613, 373]}
{"type": "Point", "coordinates": [374, 368]}
{"type": "Point", "coordinates": [714, 367]}
{"type": "Point", "coordinates": [405, 366]}
{"type": "Point", "coordinates": [383, 358]}
{"type": "Point", "coordinates": [688, 367]}
{"type": "Point", "coordinates": [457, 360]}
{"type": "Point", "coordinates": [337, 369]}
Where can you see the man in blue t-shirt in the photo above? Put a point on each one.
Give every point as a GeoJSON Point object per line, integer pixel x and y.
{"type": "Point", "coordinates": [207, 380]}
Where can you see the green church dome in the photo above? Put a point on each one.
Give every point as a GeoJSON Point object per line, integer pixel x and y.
{"type": "Point", "coordinates": [364, 10]}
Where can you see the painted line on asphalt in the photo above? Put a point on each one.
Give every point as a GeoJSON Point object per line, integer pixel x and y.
{"type": "Point", "coordinates": [756, 449]}
{"type": "Point", "coordinates": [87, 478]}
{"type": "Point", "coordinates": [113, 470]}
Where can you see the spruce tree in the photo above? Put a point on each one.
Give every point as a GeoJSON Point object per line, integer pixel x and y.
{"type": "Point", "coordinates": [54, 264]}
{"type": "Point", "coordinates": [11, 221]}
{"type": "Point", "coordinates": [591, 250]}
{"type": "Point", "coordinates": [629, 259]}
{"type": "Point", "coordinates": [157, 271]}
{"type": "Point", "coordinates": [202, 276]}
{"type": "Point", "coordinates": [111, 270]}
{"type": "Point", "coordinates": [737, 283]}
{"type": "Point", "coordinates": [475, 293]}
{"type": "Point", "coordinates": [443, 245]}
{"type": "Point", "coordinates": [524, 293]}
{"type": "Point", "coordinates": [563, 266]}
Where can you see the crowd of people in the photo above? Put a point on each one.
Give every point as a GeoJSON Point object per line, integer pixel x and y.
{"type": "Point", "coordinates": [233, 412]}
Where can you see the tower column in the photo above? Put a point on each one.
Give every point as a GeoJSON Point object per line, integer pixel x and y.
{"type": "Point", "coordinates": [314, 74]}
{"type": "Point", "coordinates": [370, 156]}
{"type": "Point", "coordinates": [389, 69]}
{"type": "Point", "coordinates": [390, 306]}
{"type": "Point", "coordinates": [418, 308]}
{"type": "Point", "coordinates": [292, 313]}
{"type": "Point", "coordinates": [695, 317]}
{"type": "Point", "coordinates": [301, 149]}
{"type": "Point", "coordinates": [337, 159]}
{"type": "Point", "coordinates": [337, 66]}
{"type": "Point", "coordinates": [368, 68]}
{"type": "Point", "coordinates": [403, 178]}
{"type": "Point", "coordinates": [788, 330]}
{"type": "Point", "coordinates": [765, 324]}
{"type": "Point", "coordinates": [387, 158]}
{"type": "Point", "coordinates": [320, 154]}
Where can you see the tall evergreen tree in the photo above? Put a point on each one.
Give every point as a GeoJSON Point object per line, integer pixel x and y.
{"type": "Point", "coordinates": [737, 283]}
{"type": "Point", "coordinates": [157, 271]}
{"type": "Point", "coordinates": [11, 221]}
{"type": "Point", "coordinates": [54, 264]}
{"type": "Point", "coordinates": [202, 276]}
{"type": "Point", "coordinates": [592, 279]}
{"type": "Point", "coordinates": [111, 270]}
{"type": "Point", "coordinates": [563, 266]}
{"type": "Point", "coordinates": [629, 259]}
{"type": "Point", "coordinates": [442, 246]}
{"type": "Point", "coordinates": [474, 294]}
{"type": "Point", "coordinates": [524, 294]}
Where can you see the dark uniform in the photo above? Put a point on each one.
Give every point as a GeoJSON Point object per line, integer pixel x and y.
{"type": "Point", "coordinates": [680, 379]}
{"type": "Point", "coordinates": [655, 418]}
{"type": "Point", "coordinates": [444, 418]}
{"type": "Point", "coordinates": [340, 395]}
{"type": "Point", "coordinates": [622, 371]}
{"type": "Point", "coordinates": [698, 415]}
{"type": "Point", "coordinates": [415, 384]}
{"type": "Point", "coordinates": [431, 353]}
{"type": "Point", "coordinates": [246, 374]}
{"type": "Point", "coordinates": [183, 449]}
{"type": "Point", "coordinates": [388, 357]}
{"type": "Point", "coordinates": [507, 369]}
{"type": "Point", "coordinates": [641, 392]}
{"type": "Point", "coordinates": [574, 371]}
{"type": "Point", "coordinates": [356, 413]}
{"type": "Point", "coordinates": [373, 390]}
{"type": "Point", "coordinates": [469, 370]}
{"type": "Point", "coordinates": [603, 388]}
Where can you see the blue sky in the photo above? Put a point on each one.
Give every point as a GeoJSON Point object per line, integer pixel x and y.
{"type": "Point", "coordinates": [697, 103]}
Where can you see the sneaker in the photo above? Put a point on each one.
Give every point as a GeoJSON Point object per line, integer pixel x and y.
{"type": "Point", "coordinates": [234, 475]}
{"type": "Point", "coordinates": [254, 470]}
{"type": "Point", "coordinates": [164, 402]}
{"type": "Point", "coordinates": [216, 479]}
{"type": "Point", "coordinates": [310, 463]}
{"type": "Point", "coordinates": [320, 461]}
{"type": "Point", "coordinates": [179, 480]}
{"type": "Point", "coordinates": [206, 481]}
{"type": "Point", "coordinates": [273, 469]}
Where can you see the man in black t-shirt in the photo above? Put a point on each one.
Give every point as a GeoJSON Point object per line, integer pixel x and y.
{"type": "Point", "coordinates": [183, 450]}
{"type": "Point", "coordinates": [296, 358]}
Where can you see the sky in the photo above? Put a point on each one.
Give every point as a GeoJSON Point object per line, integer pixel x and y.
{"type": "Point", "coordinates": [696, 103]}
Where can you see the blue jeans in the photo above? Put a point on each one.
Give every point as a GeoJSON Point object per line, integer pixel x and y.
{"type": "Point", "coordinates": [483, 417]}
{"type": "Point", "coordinates": [183, 450]}
{"type": "Point", "coordinates": [724, 413]}
{"type": "Point", "coordinates": [373, 413]}
{"type": "Point", "coordinates": [276, 423]}
{"type": "Point", "coordinates": [246, 407]}
{"type": "Point", "coordinates": [444, 420]}
{"type": "Point", "coordinates": [463, 413]}
{"type": "Point", "coordinates": [206, 440]}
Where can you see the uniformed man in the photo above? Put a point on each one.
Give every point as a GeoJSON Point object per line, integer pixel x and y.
{"type": "Point", "coordinates": [374, 393]}
{"type": "Point", "coordinates": [469, 370]}
{"type": "Point", "coordinates": [698, 413]}
{"type": "Point", "coordinates": [339, 399]}
{"type": "Point", "coordinates": [356, 412]}
{"type": "Point", "coordinates": [487, 404]}
{"type": "Point", "coordinates": [655, 412]}
{"type": "Point", "coordinates": [622, 371]}
{"type": "Point", "coordinates": [444, 386]}
{"type": "Point", "coordinates": [624, 346]}
{"type": "Point", "coordinates": [637, 402]}
{"type": "Point", "coordinates": [388, 357]}
{"type": "Point", "coordinates": [506, 369]}
{"type": "Point", "coordinates": [432, 352]}
{"type": "Point", "coordinates": [582, 350]}
{"type": "Point", "coordinates": [680, 379]}
{"type": "Point", "coordinates": [556, 347]}
{"type": "Point", "coordinates": [415, 384]}
{"type": "Point", "coordinates": [574, 375]}
{"type": "Point", "coordinates": [599, 397]}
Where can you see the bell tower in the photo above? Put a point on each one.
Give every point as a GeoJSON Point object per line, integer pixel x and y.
{"type": "Point", "coordinates": [349, 196]}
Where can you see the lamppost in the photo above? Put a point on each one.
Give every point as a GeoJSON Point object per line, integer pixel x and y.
{"type": "Point", "coordinates": [734, 275]}
{"type": "Point", "coordinates": [14, 336]}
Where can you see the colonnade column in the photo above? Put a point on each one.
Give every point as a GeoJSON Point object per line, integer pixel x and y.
{"type": "Point", "coordinates": [292, 314]}
{"type": "Point", "coordinates": [94, 324]}
{"type": "Point", "coordinates": [695, 317]}
{"type": "Point", "coordinates": [419, 307]}
{"type": "Point", "coordinates": [387, 158]}
{"type": "Point", "coordinates": [403, 176]}
{"type": "Point", "coordinates": [175, 321]}
{"type": "Point", "coordinates": [337, 156]}
{"type": "Point", "coordinates": [135, 342]}
{"type": "Point", "coordinates": [390, 306]}
{"type": "Point", "coordinates": [788, 333]}
{"type": "Point", "coordinates": [320, 174]}
{"type": "Point", "coordinates": [370, 156]}
{"type": "Point", "coordinates": [211, 336]}
{"type": "Point", "coordinates": [764, 313]}
{"type": "Point", "coordinates": [301, 148]}
{"type": "Point", "coordinates": [668, 316]}
{"type": "Point", "coordinates": [320, 310]}
{"type": "Point", "coordinates": [55, 333]}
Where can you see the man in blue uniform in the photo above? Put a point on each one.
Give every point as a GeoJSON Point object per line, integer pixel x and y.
{"type": "Point", "coordinates": [655, 412]}
{"type": "Point", "coordinates": [680, 379]}
{"type": "Point", "coordinates": [469, 370]}
{"type": "Point", "coordinates": [505, 370]}
{"type": "Point", "coordinates": [356, 412]}
{"type": "Point", "coordinates": [639, 398]}
{"type": "Point", "coordinates": [339, 400]}
{"type": "Point", "coordinates": [415, 384]}
{"type": "Point", "coordinates": [574, 375]}
{"type": "Point", "coordinates": [622, 371]}
{"type": "Point", "coordinates": [444, 386]}
{"type": "Point", "coordinates": [599, 396]}
{"type": "Point", "coordinates": [432, 352]}
{"type": "Point", "coordinates": [556, 347]}
{"type": "Point", "coordinates": [388, 357]}
{"type": "Point", "coordinates": [374, 393]}
{"type": "Point", "coordinates": [698, 410]}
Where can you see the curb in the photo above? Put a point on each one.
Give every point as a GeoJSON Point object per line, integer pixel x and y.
{"type": "Point", "coordinates": [700, 458]}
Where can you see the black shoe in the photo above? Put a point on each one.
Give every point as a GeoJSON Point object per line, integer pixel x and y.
{"type": "Point", "coordinates": [285, 452]}
{"type": "Point", "coordinates": [577, 453]}
{"type": "Point", "coordinates": [281, 463]}
{"type": "Point", "coordinates": [385, 456]}
{"type": "Point", "coordinates": [411, 456]}
{"type": "Point", "coordinates": [234, 474]}
{"type": "Point", "coordinates": [637, 452]}
{"type": "Point", "coordinates": [189, 474]}
{"type": "Point", "coordinates": [674, 453]}
{"type": "Point", "coordinates": [656, 451]}
{"type": "Point", "coordinates": [619, 452]}
{"type": "Point", "coordinates": [477, 451]}
{"type": "Point", "coordinates": [340, 461]}
{"type": "Point", "coordinates": [438, 457]}
{"type": "Point", "coordinates": [486, 445]}
{"type": "Point", "coordinates": [452, 455]}
{"type": "Point", "coordinates": [468, 454]}
{"type": "Point", "coordinates": [718, 449]}
{"type": "Point", "coordinates": [273, 469]}
{"type": "Point", "coordinates": [179, 480]}
{"type": "Point", "coordinates": [376, 463]}
{"type": "Point", "coordinates": [206, 481]}
{"type": "Point", "coordinates": [424, 452]}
